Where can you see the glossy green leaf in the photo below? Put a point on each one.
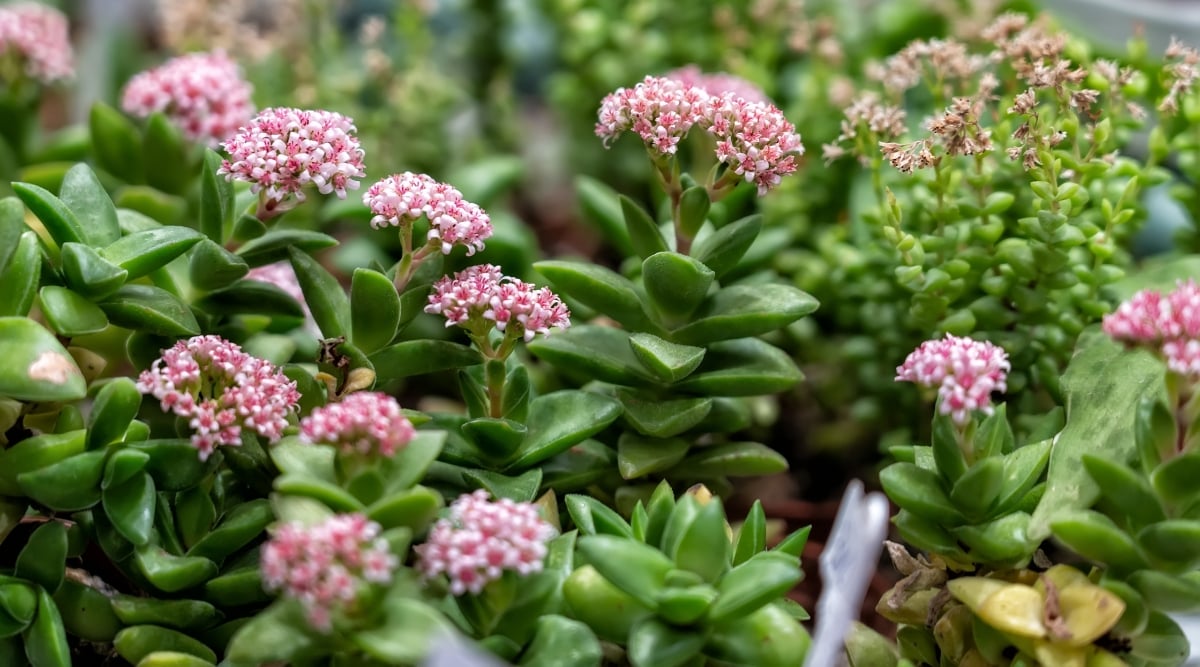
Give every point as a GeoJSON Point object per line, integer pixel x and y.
{"type": "Point", "coordinates": [212, 267]}
{"type": "Point", "coordinates": [1168, 592]}
{"type": "Point", "coordinates": [150, 309]}
{"type": "Point", "coordinates": [113, 409]}
{"type": "Point", "coordinates": [560, 419]}
{"type": "Point", "coordinates": [137, 642]}
{"type": "Point", "coordinates": [83, 194]}
{"type": "Point", "coordinates": [43, 559]}
{"type": "Point", "coordinates": [1126, 489]}
{"type": "Point", "coordinates": [251, 297]}
{"type": "Point", "coordinates": [682, 605]}
{"type": "Point", "coordinates": [326, 492]}
{"type": "Point", "coordinates": [239, 588]}
{"type": "Point", "coordinates": [408, 630]}
{"type": "Point", "coordinates": [1022, 469]}
{"type": "Point", "coordinates": [521, 488]}
{"type": "Point", "coordinates": [1174, 542]}
{"type": "Point", "coordinates": [274, 245]}
{"type": "Point", "coordinates": [752, 536]}
{"type": "Point", "coordinates": [676, 284]}
{"type": "Point", "coordinates": [20, 277]}
{"type": "Point", "coordinates": [173, 463]}
{"type": "Point", "coordinates": [579, 466]}
{"type": "Point", "coordinates": [495, 438]}
{"type": "Point", "coordinates": [662, 418]}
{"type": "Point", "coordinates": [638, 456]}
{"type": "Point", "coordinates": [172, 659]}
{"type": "Point", "coordinates": [592, 517]}
{"type": "Point", "coordinates": [735, 459]}
{"type": "Point", "coordinates": [598, 288]}
{"type": "Point", "coordinates": [746, 367]}
{"type": "Point", "coordinates": [1175, 480]}
{"type": "Point", "coordinates": [116, 143]}
{"type": "Point", "coordinates": [704, 547]}
{"type": "Point", "coordinates": [643, 230]}
{"type": "Point", "coordinates": [1003, 540]}
{"type": "Point", "coordinates": [740, 311]}
{"type": "Point", "coordinates": [90, 274]}
{"type": "Point", "coordinates": [169, 573]}
{"type": "Point", "coordinates": [36, 366]}
{"type": "Point", "coordinates": [635, 568]}
{"type": "Point", "coordinates": [374, 310]}
{"type": "Point", "coordinates": [142, 252]}
{"type": "Point", "coordinates": [62, 224]}
{"type": "Point", "coordinates": [593, 352]}
{"type": "Point", "coordinates": [979, 486]}
{"type": "Point", "coordinates": [45, 638]}
{"type": "Point", "coordinates": [1155, 430]}
{"type": "Point", "coordinates": [1104, 385]}
{"type": "Point", "coordinates": [670, 362]}
{"type": "Point", "coordinates": [653, 643]}
{"type": "Point", "coordinates": [948, 457]}
{"type": "Point", "coordinates": [919, 491]}
{"type": "Point", "coordinates": [216, 199]}
{"type": "Point", "coordinates": [130, 507]}
{"type": "Point", "coordinates": [413, 508]}
{"type": "Point", "coordinates": [67, 486]}
{"type": "Point", "coordinates": [70, 314]}
{"type": "Point", "coordinates": [294, 457]}
{"type": "Point", "coordinates": [12, 227]}
{"type": "Point", "coordinates": [760, 580]}
{"type": "Point", "coordinates": [602, 208]}
{"type": "Point", "coordinates": [237, 529]}
{"type": "Point", "coordinates": [1095, 536]}
{"type": "Point", "coordinates": [721, 250]}
{"type": "Point", "coordinates": [86, 612]}
{"type": "Point", "coordinates": [562, 642]}
{"type": "Point", "coordinates": [994, 436]}
{"type": "Point", "coordinates": [154, 204]}
{"type": "Point", "coordinates": [19, 601]}
{"type": "Point", "coordinates": [280, 633]}
{"type": "Point", "coordinates": [694, 204]}
{"type": "Point", "coordinates": [178, 614]}
{"type": "Point", "coordinates": [418, 357]}
{"type": "Point", "coordinates": [164, 148]}
{"type": "Point", "coordinates": [329, 305]}
{"type": "Point", "coordinates": [769, 637]}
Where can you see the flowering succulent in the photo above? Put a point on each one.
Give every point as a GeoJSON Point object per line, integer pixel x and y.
{"type": "Point", "coordinates": [363, 423]}
{"type": "Point", "coordinates": [283, 276]}
{"type": "Point", "coordinates": [1169, 322]}
{"type": "Point", "coordinates": [203, 94]}
{"type": "Point", "coordinates": [38, 39]}
{"type": "Point", "coordinates": [482, 539]}
{"type": "Point", "coordinates": [717, 83]}
{"type": "Point", "coordinates": [481, 297]}
{"type": "Point", "coordinates": [324, 566]}
{"type": "Point", "coordinates": [219, 390]}
{"type": "Point", "coordinates": [283, 150]}
{"type": "Point", "coordinates": [965, 372]}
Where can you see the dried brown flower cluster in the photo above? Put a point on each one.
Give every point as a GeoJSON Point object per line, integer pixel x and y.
{"type": "Point", "coordinates": [1181, 74]}
{"type": "Point", "coordinates": [943, 62]}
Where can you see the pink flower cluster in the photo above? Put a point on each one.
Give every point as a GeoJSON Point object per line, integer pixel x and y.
{"type": "Point", "coordinates": [401, 199]}
{"type": "Point", "coordinates": [718, 83]}
{"type": "Point", "coordinates": [203, 94]}
{"type": "Point", "coordinates": [366, 423]}
{"type": "Point", "coordinates": [1170, 322]}
{"type": "Point", "coordinates": [483, 293]}
{"type": "Point", "coordinates": [325, 565]}
{"type": "Point", "coordinates": [220, 389]}
{"type": "Point", "coordinates": [482, 539]}
{"type": "Point", "coordinates": [283, 276]}
{"type": "Point", "coordinates": [282, 150]}
{"type": "Point", "coordinates": [40, 37]}
{"type": "Point", "coordinates": [753, 137]}
{"type": "Point", "coordinates": [965, 372]}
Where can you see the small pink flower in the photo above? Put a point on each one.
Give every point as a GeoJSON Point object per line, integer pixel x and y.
{"type": "Point", "coordinates": [482, 293]}
{"type": "Point", "coordinates": [718, 83]}
{"type": "Point", "coordinates": [282, 150]}
{"type": "Point", "coordinates": [366, 423]}
{"type": "Point", "coordinates": [40, 38]}
{"type": "Point", "coordinates": [220, 390]}
{"type": "Point", "coordinates": [754, 139]}
{"type": "Point", "coordinates": [203, 94]}
{"type": "Point", "coordinates": [965, 372]}
{"type": "Point", "coordinates": [659, 110]}
{"type": "Point", "coordinates": [401, 199]}
{"type": "Point", "coordinates": [283, 276]}
{"type": "Point", "coordinates": [1170, 323]}
{"type": "Point", "coordinates": [481, 539]}
{"type": "Point", "coordinates": [325, 566]}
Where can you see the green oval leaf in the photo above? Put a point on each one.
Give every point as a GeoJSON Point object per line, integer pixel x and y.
{"type": "Point", "coordinates": [150, 309]}
{"type": "Point", "coordinates": [237, 529]}
{"type": "Point", "coordinates": [130, 507]}
{"type": "Point", "coordinates": [597, 288]}
{"type": "Point", "coordinates": [86, 612]}
{"type": "Point", "coordinates": [741, 311]}
{"type": "Point", "coordinates": [920, 492]}
{"type": "Point", "coordinates": [762, 579]}
{"type": "Point", "coordinates": [46, 638]}
{"type": "Point", "coordinates": [593, 352]}
{"type": "Point", "coordinates": [90, 274]}
{"type": "Point", "coordinates": [169, 573]}
{"type": "Point", "coordinates": [274, 245]}
{"type": "Point", "coordinates": [654, 643]}
{"type": "Point", "coordinates": [36, 366]}
{"type": "Point", "coordinates": [638, 456]}
{"type": "Point", "coordinates": [116, 144]}
{"type": "Point", "coordinates": [212, 266]}
{"type": "Point", "coordinates": [165, 149]}
{"type": "Point", "coordinates": [721, 250]}
{"type": "Point", "coordinates": [637, 569]}
{"type": "Point", "coordinates": [59, 221]}
{"type": "Point", "coordinates": [1174, 542]}
{"type": "Point", "coordinates": [663, 418]}
{"type": "Point", "coordinates": [70, 314]}
{"type": "Point", "coordinates": [87, 199]}
{"type": "Point", "coordinates": [734, 459]}
{"type": "Point", "coordinates": [44, 557]}
{"type": "Point", "coordinates": [139, 641]}
{"type": "Point", "coordinates": [643, 230]}
{"type": "Point", "coordinates": [178, 614]}
{"type": "Point", "coordinates": [675, 283]}
{"type": "Point", "coordinates": [670, 362]}
{"type": "Point", "coordinates": [1095, 536]}
{"type": "Point", "coordinates": [142, 252]}
{"type": "Point", "coordinates": [418, 357]}
{"type": "Point", "coordinates": [328, 303]}
{"type": "Point", "coordinates": [374, 310]}
{"type": "Point", "coordinates": [70, 485]}
{"type": "Point", "coordinates": [746, 367]}
{"type": "Point", "coordinates": [561, 419]}
{"type": "Point", "coordinates": [216, 199]}
{"type": "Point", "coordinates": [1175, 479]}
{"type": "Point", "coordinates": [20, 278]}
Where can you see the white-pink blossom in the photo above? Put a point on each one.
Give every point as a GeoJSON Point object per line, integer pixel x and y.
{"type": "Point", "coordinates": [659, 110]}
{"type": "Point", "coordinates": [283, 150]}
{"type": "Point", "coordinates": [401, 199]}
{"type": "Point", "coordinates": [965, 372]}
{"type": "Point", "coordinates": [325, 566]}
{"type": "Point", "coordinates": [718, 83]}
{"type": "Point", "coordinates": [754, 139]}
{"type": "Point", "coordinates": [39, 39]}
{"type": "Point", "coordinates": [481, 540]}
{"type": "Point", "coordinates": [482, 293]}
{"type": "Point", "coordinates": [365, 423]}
{"type": "Point", "coordinates": [219, 390]}
{"type": "Point", "coordinates": [1169, 323]}
{"type": "Point", "coordinates": [283, 276]}
{"type": "Point", "coordinates": [203, 94]}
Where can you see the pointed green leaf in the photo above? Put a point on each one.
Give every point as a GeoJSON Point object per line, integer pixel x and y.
{"type": "Point", "coordinates": [602, 208]}
{"type": "Point", "coordinates": [670, 362]}
{"type": "Point", "coordinates": [741, 311]}
{"type": "Point", "coordinates": [169, 573]}
{"type": "Point", "coordinates": [1175, 480]}
{"type": "Point", "coordinates": [675, 283]}
{"type": "Point", "coordinates": [213, 267]}
{"type": "Point", "coordinates": [643, 230]}
{"type": "Point", "coordinates": [90, 274]}
{"type": "Point", "coordinates": [12, 226]}
{"type": "Point", "coordinates": [561, 419]}
{"type": "Point", "coordinates": [638, 456]}
{"type": "Point", "coordinates": [251, 297]}
{"type": "Point", "coordinates": [1095, 536]}
{"type": "Point", "coordinates": [413, 508]}
{"type": "Point", "coordinates": [36, 366]}
{"type": "Point", "coordinates": [173, 463]}
{"type": "Point", "coordinates": [1003, 540]}
{"type": "Point", "coordinates": [522, 488]}
{"type": "Point", "coordinates": [746, 367]}
{"type": "Point", "coordinates": [20, 277]}
{"type": "Point", "coordinates": [653, 642]}
{"type": "Point", "coordinates": [58, 220]}
{"type": "Point", "coordinates": [82, 193]}
{"type": "Point", "coordinates": [1127, 490]}
{"type": "Point", "coordinates": [114, 408]}
{"type": "Point", "coordinates": [123, 464]}
{"type": "Point", "coordinates": [159, 206]}
{"type": "Point", "coordinates": [593, 352]}
{"type": "Point", "coordinates": [130, 507]}
{"type": "Point", "coordinates": [920, 492]}
{"type": "Point", "coordinates": [46, 638]}
{"type": "Point", "coordinates": [294, 457]}
{"type": "Point", "coordinates": [752, 536]}
{"type": "Point", "coordinates": [704, 547]}
{"type": "Point", "coordinates": [70, 485]}
{"type": "Point", "coordinates": [694, 204]}
{"type": "Point", "coordinates": [86, 612]}
{"type": "Point", "coordinates": [562, 642]}
{"type": "Point", "coordinates": [178, 614]}
{"type": "Point", "coordinates": [763, 578]}
{"type": "Point", "coordinates": [142, 252]}
{"type": "Point", "coordinates": [273, 246]}
{"type": "Point", "coordinates": [735, 459]}
{"type": "Point", "coordinates": [662, 418]}
{"type": "Point", "coordinates": [1022, 469]}
{"type": "Point", "coordinates": [70, 314]}
{"type": "Point", "coordinates": [597, 288]}
{"type": "Point", "coordinates": [1173, 542]}
{"type": "Point", "coordinates": [417, 357]}
{"type": "Point", "coordinates": [165, 149]}
{"type": "Point", "coordinates": [44, 557]}
{"type": "Point", "coordinates": [721, 250]}
{"type": "Point", "coordinates": [1168, 592]}
{"type": "Point", "coordinates": [216, 199]}
{"type": "Point", "coordinates": [592, 517]}
{"type": "Point", "coordinates": [979, 486]}
{"type": "Point", "coordinates": [408, 630]}
{"type": "Point", "coordinates": [637, 569]}
{"type": "Point", "coordinates": [116, 143]}
{"type": "Point", "coordinates": [328, 303]}
{"type": "Point", "coordinates": [374, 310]}
{"type": "Point", "coordinates": [237, 529]}
{"type": "Point", "coordinates": [139, 641]}
{"type": "Point", "coordinates": [150, 309]}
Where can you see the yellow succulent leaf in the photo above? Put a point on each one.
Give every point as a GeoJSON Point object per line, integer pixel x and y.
{"type": "Point", "coordinates": [1102, 658]}
{"type": "Point", "coordinates": [1015, 609]}
{"type": "Point", "coordinates": [1088, 612]}
{"type": "Point", "coordinates": [952, 632]}
{"type": "Point", "coordinates": [1059, 655]}
{"type": "Point", "coordinates": [1061, 576]}
{"type": "Point", "coordinates": [973, 591]}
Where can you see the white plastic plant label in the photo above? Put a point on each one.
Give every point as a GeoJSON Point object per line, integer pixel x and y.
{"type": "Point", "coordinates": [847, 564]}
